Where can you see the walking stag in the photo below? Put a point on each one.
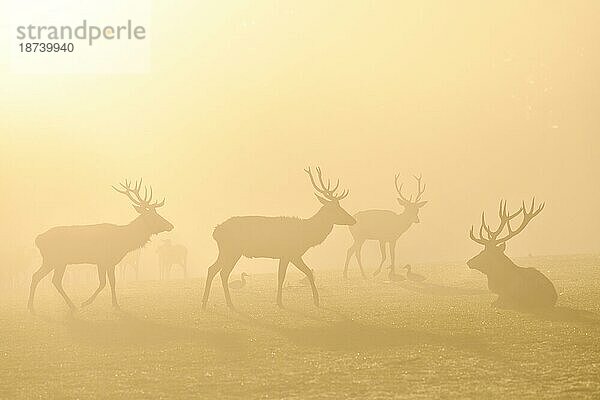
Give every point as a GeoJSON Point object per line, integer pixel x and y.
{"type": "Point", "coordinates": [282, 238]}
{"type": "Point", "coordinates": [384, 226]}
{"type": "Point", "coordinates": [103, 245]}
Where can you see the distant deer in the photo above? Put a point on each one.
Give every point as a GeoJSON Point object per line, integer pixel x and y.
{"type": "Point", "coordinates": [169, 255]}
{"type": "Point", "coordinates": [516, 287]}
{"type": "Point", "coordinates": [103, 245]}
{"type": "Point", "coordinates": [283, 238]}
{"type": "Point", "coordinates": [385, 226]}
{"type": "Point", "coordinates": [130, 261]}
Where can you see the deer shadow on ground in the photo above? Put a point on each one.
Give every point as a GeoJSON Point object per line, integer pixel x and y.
{"type": "Point", "coordinates": [439, 290]}
{"type": "Point", "coordinates": [347, 334]}
{"type": "Point", "coordinates": [565, 314]}
{"type": "Point", "coordinates": [126, 330]}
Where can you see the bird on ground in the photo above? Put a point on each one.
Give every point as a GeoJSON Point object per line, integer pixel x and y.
{"type": "Point", "coordinates": [413, 276]}
{"type": "Point", "coordinates": [239, 284]}
{"type": "Point", "coordinates": [393, 277]}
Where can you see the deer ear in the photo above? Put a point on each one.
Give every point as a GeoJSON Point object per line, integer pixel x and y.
{"type": "Point", "coordinates": [322, 200]}
{"type": "Point", "coordinates": [502, 246]}
{"type": "Point", "coordinates": [421, 204]}
{"type": "Point", "coordinates": [139, 209]}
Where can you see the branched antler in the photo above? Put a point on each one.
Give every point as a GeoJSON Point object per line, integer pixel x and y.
{"type": "Point", "coordinates": [133, 193]}
{"type": "Point", "coordinates": [409, 201]}
{"type": "Point", "coordinates": [505, 218]}
{"type": "Point", "coordinates": [326, 190]}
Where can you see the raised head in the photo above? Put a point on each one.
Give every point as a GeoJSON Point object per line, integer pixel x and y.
{"type": "Point", "coordinates": [411, 208]}
{"type": "Point", "coordinates": [494, 243]}
{"type": "Point", "coordinates": [327, 195]}
{"type": "Point", "coordinates": [144, 206]}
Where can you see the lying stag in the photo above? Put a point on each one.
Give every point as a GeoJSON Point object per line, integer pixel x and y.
{"type": "Point", "coordinates": [385, 226]}
{"type": "Point", "coordinates": [283, 238]}
{"type": "Point", "coordinates": [516, 287]}
{"type": "Point", "coordinates": [104, 245]}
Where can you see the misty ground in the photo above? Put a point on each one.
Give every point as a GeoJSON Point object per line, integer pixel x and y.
{"type": "Point", "coordinates": [370, 340]}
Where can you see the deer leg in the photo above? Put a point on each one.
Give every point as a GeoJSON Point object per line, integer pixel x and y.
{"type": "Point", "coordinates": [299, 263]}
{"type": "Point", "coordinates": [101, 285]}
{"type": "Point", "coordinates": [57, 280]}
{"type": "Point", "coordinates": [359, 258]}
{"type": "Point", "coordinates": [35, 279]}
{"type": "Point", "coordinates": [212, 271]}
{"type": "Point", "coordinates": [113, 290]}
{"type": "Point", "coordinates": [349, 255]}
{"type": "Point", "coordinates": [393, 253]}
{"type": "Point", "coordinates": [383, 255]}
{"type": "Point", "coordinates": [281, 271]}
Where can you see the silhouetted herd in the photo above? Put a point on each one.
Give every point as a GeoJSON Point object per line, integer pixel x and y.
{"type": "Point", "coordinates": [286, 239]}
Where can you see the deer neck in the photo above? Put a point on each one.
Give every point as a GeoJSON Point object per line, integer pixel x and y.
{"type": "Point", "coordinates": [135, 234]}
{"type": "Point", "coordinates": [319, 226]}
{"type": "Point", "coordinates": [502, 266]}
{"type": "Point", "coordinates": [404, 222]}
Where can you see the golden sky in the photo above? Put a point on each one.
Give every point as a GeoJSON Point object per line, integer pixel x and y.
{"type": "Point", "coordinates": [487, 101]}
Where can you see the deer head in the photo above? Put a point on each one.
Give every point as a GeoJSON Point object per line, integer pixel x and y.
{"type": "Point", "coordinates": [151, 220]}
{"type": "Point", "coordinates": [494, 246]}
{"type": "Point", "coordinates": [411, 208]}
{"type": "Point", "coordinates": [330, 200]}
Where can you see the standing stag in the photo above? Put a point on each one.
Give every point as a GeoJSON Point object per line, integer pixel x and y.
{"type": "Point", "coordinates": [103, 244]}
{"type": "Point", "coordinates": [516, 287]}
{"type": "Point", "coordinates": [385, 226]}
{"type": "Point", "coordinates": [171, 254]}
{"type": "Point", "coordinates": [282, 238]}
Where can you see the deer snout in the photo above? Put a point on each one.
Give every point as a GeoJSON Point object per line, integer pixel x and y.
{"type": "Point", "coordinates": [471, 264]}
{"type": "Point", "coordinates": [170, 227]}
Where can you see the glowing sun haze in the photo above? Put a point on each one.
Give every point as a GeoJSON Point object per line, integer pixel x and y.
{"type": "Point", "coordinates": [487, 101]}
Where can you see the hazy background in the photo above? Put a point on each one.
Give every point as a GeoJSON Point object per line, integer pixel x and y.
{"type": "Point", "coordinates": [485, 100]}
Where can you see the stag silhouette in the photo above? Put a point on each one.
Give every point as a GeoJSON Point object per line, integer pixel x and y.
{"type": "Point", "coordinates": [170, 254]}
{"type": "Point", "coordinates": [283, 238]}
{"type": "Point", "coordinates": [103, 245]}
{"type": "Point", "coordinates": [385, 226]}
{"type": "Point", "coordinates": [516, 287]}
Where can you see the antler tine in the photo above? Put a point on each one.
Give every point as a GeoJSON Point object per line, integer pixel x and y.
{"type": "Point", "coordinates": [527, 217]}
{"type": "Point", "coordinates": [419, 190]}
{"type": "Point", "coordinates": [127, 190]}
{"type": "Point", "coordinates": [475, 239]}
{"type": "Point", "coordinates": [130, 192]}
{"type": "Point", "coordinates": [399, 190]}
{"type": "Point", "coordinates": [325, 190]}
{"type": "Point", "coordinates": [485, 226]}
{"type": "Point", "coordinates": [312, 180]}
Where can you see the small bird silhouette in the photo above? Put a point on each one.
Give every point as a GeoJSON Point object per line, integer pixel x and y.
{"type": "Point", "coordinates": [413, 276]}
{"type": "Point", "coordinates": [239, 284]}
{"type": "Point", "coordinates": [393, 277]}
